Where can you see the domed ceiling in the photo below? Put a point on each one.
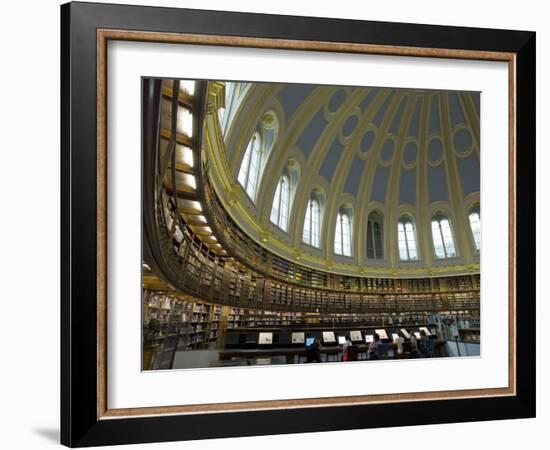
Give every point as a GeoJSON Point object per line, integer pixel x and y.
{"type": "Point", "coordinates": [371, 151]}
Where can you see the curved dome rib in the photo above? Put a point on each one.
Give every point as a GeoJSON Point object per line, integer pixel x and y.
{"type": "Point", "coordinates": [384, 149]}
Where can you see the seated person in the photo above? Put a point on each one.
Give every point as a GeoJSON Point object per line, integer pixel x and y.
{"type": "Point", "coordinates": [415, 353]}
{"type": "Point", "coordinates": [313, 352]}
{"type": "Point", "coordinates": [345, 347]}
{"type": "Point", "coordinates": [350, 352]}
{"type": "Point", "coordinates": [374, 348]}
{"type": "Point", "coordinates": [398, 341]}
{"type": "Point", "coordinates": [424, 345]}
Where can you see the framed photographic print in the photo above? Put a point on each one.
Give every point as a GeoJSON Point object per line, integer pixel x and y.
{"type": "Point", "coordinates": [254, 206]}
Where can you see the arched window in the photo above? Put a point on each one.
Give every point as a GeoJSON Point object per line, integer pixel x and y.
{"type": "Point", "coordinates": [224, 112]}
{"type": "Point", "coordinates": [281, 203]}
{"type": "Point", "coordinates": [442, 235]}
{"type": "Point", "coordinates": [374, 237]}
{"type": "Point", "coordinates": [250, 166]}
{"type": "Point", "coordinates": [312, 222]}
{"type": "Point", "coordinates": [407, 240]}
{"type": "Point", "coordinates": [342, 236]}
{"type": "Point", "coordinates": [234, 94]}
{"type": "Point", "coordinates": [475, 225]}
{"type": "Point", "coordinates": [257, 153]}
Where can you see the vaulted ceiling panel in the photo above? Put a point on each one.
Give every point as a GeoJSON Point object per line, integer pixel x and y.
{"type": "Point", "coordinates": [399, 150]}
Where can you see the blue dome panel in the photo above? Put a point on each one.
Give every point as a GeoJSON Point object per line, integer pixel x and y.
{"type": "Point", "coordinates": [387, 150]}
{"type": "Point", "coordinates": [311, 134]}
{"type": "Point", "coordinates": [331, 159]}
{"type": "Point", "coordinates": [437, 186]}
{"type": "Point", "coordinates": [337, 100]}
{"type": "Point", "coordinates": [469, 174]}
{"type": "Point", "coordinates": [407, 187]}
{"type": "Point", "coordinates": [293, 95]}
{"type": "Point", "coordinates": [378, 192]}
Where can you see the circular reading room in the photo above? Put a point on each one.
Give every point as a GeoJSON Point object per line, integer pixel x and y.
{"type": "Point", "coordinates": [301, 223]}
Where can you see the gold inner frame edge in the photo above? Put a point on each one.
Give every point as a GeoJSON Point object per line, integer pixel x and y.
{"type": "Point", "coordinates": [103, 36]}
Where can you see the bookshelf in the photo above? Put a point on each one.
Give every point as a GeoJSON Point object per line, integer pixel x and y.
{"type": "Point", "coordinates": [196, 324]}
{"type": "Point", "coordinates": [469, 329]}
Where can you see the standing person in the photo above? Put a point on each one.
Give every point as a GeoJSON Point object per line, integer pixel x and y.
{"type": "Point", "coordinates": [345, 349]}
{"type": "Point", "coordinates": [373, 352]}
{"type": "Point", "coordinates": [398, 341]}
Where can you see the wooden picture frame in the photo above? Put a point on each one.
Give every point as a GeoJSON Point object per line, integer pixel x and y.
{"type": "Point", "coordinates": [85, 416]}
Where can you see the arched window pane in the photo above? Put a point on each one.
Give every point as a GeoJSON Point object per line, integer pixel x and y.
{"type": "Point", "coordinates": [475, 225]}
{"type": "Point", "coordinates": [438, 241]}
{"type": "Point", "coordinates": [312, 223]}
{"type": "Point", "coordinates": [370, 240]}
{"type": "Point", "coordinates": [243, 171]}
{"type": "Point", "coordinates": [342, 236]}
{"type": "Point", "coordinates": [406, 240]}
{"type": "Point", "coordinates": [233, 97]}
{"type": "Point", "coordinates": [254, 168]}
{"type": "Point", "coordinates": [338, 235]}
{"type": "Point", "coordinates": [285, 203]}
{"type": "Point", "coordinates": [448, 238]}
{"type": "Point", "coordinates": [306, 235]}
{"type": "Point", "coordinates": [374, 238]}
{"type": "Point", "coordinates": [281, 203]}
{"type": "Point", "coordinates": [225, 112]}
{"type": "Point", "coordinates": [315, 222]}
{"type": "Point", "coordinates": [250, 167]}
{"type": "Point", "coordinates": [402, 239]}
{"type": "Point", "coordinates": [377, 232]}
{"type": "Point", "coordinates": [442, 235]}
{"type": "Point", "coordinates": [346, 235]}
{"type": "Point", "coordinates": [411, 240]}
{"type": "Point", "coordinates": [276, 203]}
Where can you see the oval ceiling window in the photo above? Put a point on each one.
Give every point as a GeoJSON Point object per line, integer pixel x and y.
{"type": "Point", "coordinates": [367, 141]}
